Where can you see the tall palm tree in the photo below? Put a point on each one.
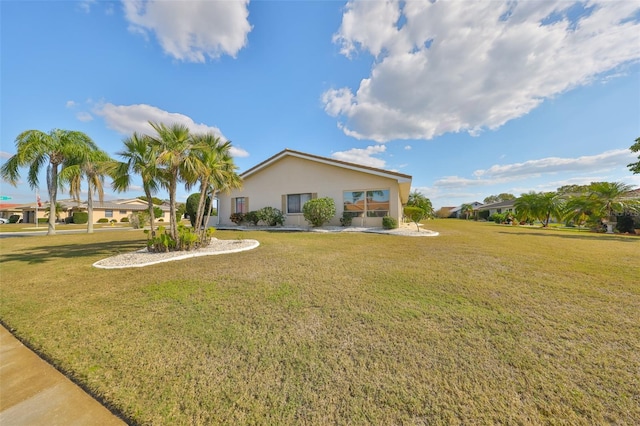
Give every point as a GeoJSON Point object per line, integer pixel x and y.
{"type": "Point", "coordinates": [217, 172]}
{"type": "Point", "coordinates": [140, 154]}
{"type": "Point", "coordinates": [176, 161]}
{"type": "Point", "coordinates": [466, 210]}
{"type": "Point", "coordinates": [57, 149]}
{"type": "Point", "coordinates": [95, 166]}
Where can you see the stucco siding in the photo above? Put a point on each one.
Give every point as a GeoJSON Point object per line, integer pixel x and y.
{"type": "Point", "coordinates": [293, 175]}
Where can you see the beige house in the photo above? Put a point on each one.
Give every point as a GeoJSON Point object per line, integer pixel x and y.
{"type": "Point", "coordinates": [111, 210]}
{"type": "Point", "coordinates": [290, 178]}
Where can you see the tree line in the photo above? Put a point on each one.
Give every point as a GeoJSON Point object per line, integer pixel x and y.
{"type": "Point", "coordinates": [172, 155]}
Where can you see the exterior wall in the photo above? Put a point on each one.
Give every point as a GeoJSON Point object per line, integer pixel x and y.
{"type": "Point", "coordinates": [292, 175]}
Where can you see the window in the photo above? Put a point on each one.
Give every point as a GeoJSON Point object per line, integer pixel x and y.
{"type": "Point", "coordinates": [296, 201]}
{"type": "Point", "coordinates": [123, 212]}
{"type": "Point", "coordinates": [108, 213]}
{"type": "Point", "coordinates": [241, 205]}
{"type": "Point", "coordinates": [374, 203]}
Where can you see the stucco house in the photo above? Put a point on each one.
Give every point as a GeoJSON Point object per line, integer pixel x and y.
{"type": "Point", "coordinates": [290, 178]}
{"type": "Point", "coordinates": [111, 210]}
{"type": "Point", "coordinates": [458, 213]}
{"type": "Point", "coordinates": [499, 207]}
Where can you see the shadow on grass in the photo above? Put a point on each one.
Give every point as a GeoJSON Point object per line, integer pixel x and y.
{"type": "Point", "coordinates": [45, 254]}
{"type": "Point", "coordinates": [578, 236]}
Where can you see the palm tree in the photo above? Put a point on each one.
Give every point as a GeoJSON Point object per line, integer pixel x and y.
{"type": "Point", "coordinates": [579, 209]}
{"type": "Point", "coordinates": [466, 210]}
{"type": "Point", "coordinates": [95, 166]}
{"type": "Point", "coordinates": [57, 149]}
{"type": "Point", "coordinates": [417, 199]}
{"type": "Point", "coordinates": [541, 206]}
{"type": "Point", "coordinates": [217, 172]}
{"type": "Point", "coordinates": [611, 198]}
{"type": "Point", "coordinates": [140, 154]}
{"type": "Point", "coordinates": [176, 161]}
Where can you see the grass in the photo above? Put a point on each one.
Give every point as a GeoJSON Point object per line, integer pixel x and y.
{"type": "Point", "coordinates": [483, 324]}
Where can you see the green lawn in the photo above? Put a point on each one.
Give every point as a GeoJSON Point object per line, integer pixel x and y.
{"type": "Point", "coordinates": [483, 324]}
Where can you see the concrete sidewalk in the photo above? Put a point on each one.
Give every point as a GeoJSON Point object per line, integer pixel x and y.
{"type": "Point", "coordinates": [32, 392]}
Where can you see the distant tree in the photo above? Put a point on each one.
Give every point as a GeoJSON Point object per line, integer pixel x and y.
{"type": "Point", "coordinates": [573, 189]}
{"type": "Point", "coordinates": [443, 212]}
{"type": "Point", "coordinates": [498, 198]}
{"type": "Point", "coordinates": [466, 210]}
{"type": "Point", "coordinates": [155, 200]}
{"type": "Point", "coordinates": [58, 211]}
{"type": "Point", "coordinates": [57, 149]}
{"type": "Point", "coordinates": [635, 167]}
{"type": "Point", "coordinates": [417, 199]}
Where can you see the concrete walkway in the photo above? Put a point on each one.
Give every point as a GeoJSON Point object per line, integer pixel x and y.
{"type": "Point", "coordinates": [33, 393]}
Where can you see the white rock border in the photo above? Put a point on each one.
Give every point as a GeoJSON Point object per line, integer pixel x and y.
{"type": "Point", "coordinates": [140, 258]}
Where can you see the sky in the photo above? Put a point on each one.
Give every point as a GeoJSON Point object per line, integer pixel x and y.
{"type": "Point", "coordinates": [470, 98]}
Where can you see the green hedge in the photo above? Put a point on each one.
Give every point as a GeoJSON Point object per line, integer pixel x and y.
{"type": "Point", "coordinates": [103, 220]}
{"type": "Point", "coordinates": [80, 217]}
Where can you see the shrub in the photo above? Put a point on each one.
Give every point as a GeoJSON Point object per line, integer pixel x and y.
{"type": "Point", "coordinates": [237, 218]}
{"type": "Point", "coordinates": [389, 222]}
{"type": "Point", "coordinates": [319, 210]}
{"type": "Point", "coordinates": [161, 220]}
{"type": "Point", "coordinates": [270, 216]}
{"type": "Point", "coordinates": [43, 220]}
{"type": "Point", "coordinates": [14, 218]}
{"type": "Point", "coordinates": [113, 221]}
{"type": "Point", "coordinates": [347, 218]}
{"type": "Point", "coordinates": [252, 218]}
{"type": "Point", "coordinates": [498, 217]}
{"type": "Point", "coordinates": [414, 214]}
{"type": "Point", "coordinates": [124, 220]}
{"type": "Point", "coordinates": [138, 220]}
{"type": "Point", "coordinates": [103, 220]}
{"type": "Point", "coordinates": [80, 217]}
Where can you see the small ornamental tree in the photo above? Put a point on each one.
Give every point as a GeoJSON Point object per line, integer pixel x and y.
{"type": "Point", "coordinates": [318, 211]}
{"type": "Point", "coordinates": [415, 214]}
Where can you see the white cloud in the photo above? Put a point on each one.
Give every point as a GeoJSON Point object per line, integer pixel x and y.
{"type": "Point", "coordinates": [192, 30]}
{"type": "Point", "coordinates": [85, 5]}
{"type": "Point", "coordinates": [587, 163]}
{"type": "Point", "coordinates": [363, 156]}
{"type": "Point", "coordinates": [5, 155]}
{"type": "Point", "coordinates": [466, 66]}
{"type": "Point", "coordinates": [126, 119]}
{"type": "Point", "coordinates": [71, 104]}
{"type": "Point", "coordinates": [407, 148]}
{"type": "Point", "coordinates": [84, 116]}
{"type": "Point", "coordinates": [500, 174]}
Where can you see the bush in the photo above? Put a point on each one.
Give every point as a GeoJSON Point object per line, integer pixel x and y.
{"type": "Point", "coordinates": [389, 222]}
{"type": "Point", "coordinates": [236, 218]}
{"type": "Point", "coordinates": [43, 220]}
{"type": "Point", "coordinates": [252, 218]}
{"type": "Point", "coordinates": [124, 220]}
{"type": "Point", "coordinates": [103, 220]}
{"type": "Point", "coordinates": [113, 221]}
{"type": "Point", "coordinates": [414, 214]}
{"type": "Point", "coordinates": [347, 218]}
{"type": "Point", "coordinates": [14, 218]}
{"type": "Point", "coordinates": [498, 217]}
{"type": "Point", "coordinates": [270, 216]}
{"type": "Point", "coordinates": [138, 220]}
{"type": "Point", "coordinates": [80, 217]}
{"type": "Point", "coordinates": [160, 220]}
{"type": "Point", "coordinates": [319, 210]}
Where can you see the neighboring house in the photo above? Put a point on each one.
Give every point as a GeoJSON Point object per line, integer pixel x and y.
{"type": "Point", "coordinates": [457, 212]}
{"type": "Point", "coordinates": [499, 207]}
{"type": "Point", "coordinates": [290, 178]}
{"type": "Point", "coordinates": [111, 210]}
{"type": "Point", "coordinates": [9, 209]}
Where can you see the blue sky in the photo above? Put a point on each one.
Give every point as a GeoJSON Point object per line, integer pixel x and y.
{"type": "Point", "coordinates": [470, 98]}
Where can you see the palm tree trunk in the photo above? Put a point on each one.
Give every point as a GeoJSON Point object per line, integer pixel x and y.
{"type": "Point", "coordinates": [202, 202]}
{"type": "Point", "coordinates": [52, 184]}
{"type": "Point", "coordinates": [172, 207]}
{"type": "Point", "coordinates": [151, 212]}
{"type": "Point", "coordinates": [90, 208]}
